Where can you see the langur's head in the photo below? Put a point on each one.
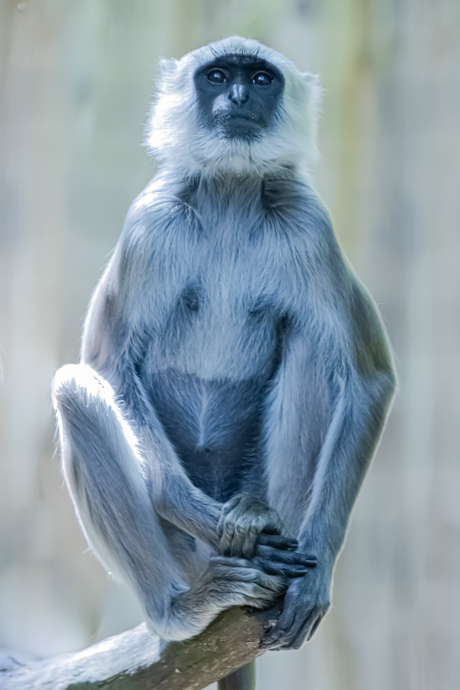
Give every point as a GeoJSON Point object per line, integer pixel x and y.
{"type": "Point", "coordinates": [234, 105]}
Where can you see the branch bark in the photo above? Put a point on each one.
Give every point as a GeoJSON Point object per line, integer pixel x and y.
{"type": "Point", "coordinates": [137, 660]}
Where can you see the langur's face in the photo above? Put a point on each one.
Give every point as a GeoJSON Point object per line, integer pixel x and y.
{"type": "Point", "coordinates": [238, 95]}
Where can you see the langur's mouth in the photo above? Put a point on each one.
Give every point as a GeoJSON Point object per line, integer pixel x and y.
{"type": "Point", "coordinates": [244, 117]}
{"type": "Point", "coordinates": [240, 125]}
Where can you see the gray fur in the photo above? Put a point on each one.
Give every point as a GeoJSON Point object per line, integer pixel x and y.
{"type": "Point", "coordinates": [228, 353]}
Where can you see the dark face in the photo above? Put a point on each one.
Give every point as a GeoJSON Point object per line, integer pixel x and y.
{"type": "Point", "coordinates": [238, 94]}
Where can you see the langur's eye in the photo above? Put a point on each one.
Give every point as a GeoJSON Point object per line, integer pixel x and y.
{"type": "Point", "coordinates": [261, 79]}
{"type": "Point", "coordinates": [216, 76]}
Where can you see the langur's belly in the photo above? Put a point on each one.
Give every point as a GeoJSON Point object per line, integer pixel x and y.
{"type": "Point", "coordinates": [215, 426]}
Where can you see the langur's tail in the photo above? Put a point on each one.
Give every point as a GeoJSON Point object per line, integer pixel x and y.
{"type": "Point", "coordinates": [242, 679]}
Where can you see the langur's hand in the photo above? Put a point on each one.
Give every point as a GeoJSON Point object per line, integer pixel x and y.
{"type": "Point", "coordinates": [249, 528]}
{"type": "Point", "coordinates": [278, 555]}
{"type": "Point", "coordinates": [243, 519]}
{"type": "Point", "coordinates": [304, 606]}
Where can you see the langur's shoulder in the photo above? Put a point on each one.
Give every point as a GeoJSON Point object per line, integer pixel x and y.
{"type": "Point", "coordinates": [157, 213]}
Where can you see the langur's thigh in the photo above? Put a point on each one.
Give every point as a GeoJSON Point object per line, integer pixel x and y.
{"type": "Point", "coordinates": [103, 468]}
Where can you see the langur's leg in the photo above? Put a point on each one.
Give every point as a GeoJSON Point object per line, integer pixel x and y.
{"type": "Point", "coordinates": [103, 468]}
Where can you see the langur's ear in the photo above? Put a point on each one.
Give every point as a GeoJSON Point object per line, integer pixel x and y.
{"type": "Point", "coordinates": [167, 72]}
{"type": "Point", "coordinates": [313, 91]}
{"type": "Point", "coordinates": [167, 67]}
{"type": "Point", "coordinates": [310, 78]}
{"type": "Point", "coordinates": [313, 86]}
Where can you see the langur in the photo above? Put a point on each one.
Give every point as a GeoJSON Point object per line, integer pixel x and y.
{"type": "Point", "coordinates": [235, 375]}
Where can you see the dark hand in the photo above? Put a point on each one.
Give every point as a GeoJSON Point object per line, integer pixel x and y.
{"type": "Point", "coordinates": [249, 528]}
{"type": "Point", "coordinates": [243, 518]}
{"type": "Point", "coordinates": [277, 555]}
{"type": "Point", "coordinates": [305, 605]}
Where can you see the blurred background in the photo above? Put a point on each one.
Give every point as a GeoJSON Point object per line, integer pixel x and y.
{"type": "Point", "coordinates": [76, 80]}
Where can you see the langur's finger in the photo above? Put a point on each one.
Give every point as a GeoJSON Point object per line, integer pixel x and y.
{"type": "Point", "coordinates": [277, 568]}
{"type": "Point", "coordinates": [248, 545]}
{"type": "Point", "coordinates": [226, 539]}
{"type": "Point", "coordinates": [307, 560]}
{"type": "Point", "coordinates": [292, 557]}
{"type": "Point", "coordinates": [273, 526]}
{"type": "Point", "coordinates": [286, 556]}
{"type": "Point", "coordinates": [277, 541]}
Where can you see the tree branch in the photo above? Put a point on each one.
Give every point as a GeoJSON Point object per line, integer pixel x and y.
{"type": "Point", "coordinates": [136, 660]}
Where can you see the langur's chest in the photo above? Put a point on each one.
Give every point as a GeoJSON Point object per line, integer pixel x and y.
{"type": "Point", "coordinates": [229, 309]}
{"type": "Point", "coordinates": [216, 334]}
{"type": "Point", "coordinates": [237, 272]}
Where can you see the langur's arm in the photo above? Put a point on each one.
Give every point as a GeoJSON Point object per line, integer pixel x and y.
{"type": "Point", "coordinates": [113, 344]}
{"type": "Point", "coordinates": [327, 411]}
{"type": "Point", "coordinates": [326, 415]}
{"type": "Point", "coordinates": [362, 389]}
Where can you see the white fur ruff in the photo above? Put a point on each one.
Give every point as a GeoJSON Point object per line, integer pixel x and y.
{"type": "Point", "coordinates": [175, 134]}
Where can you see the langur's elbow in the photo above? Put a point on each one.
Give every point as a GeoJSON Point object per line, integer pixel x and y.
{"type": "Point", "coordinates": [383, 389]}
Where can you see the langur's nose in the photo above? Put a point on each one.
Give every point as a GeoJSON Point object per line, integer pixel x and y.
{"type": "Point", "coordinates": [239, 94]}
